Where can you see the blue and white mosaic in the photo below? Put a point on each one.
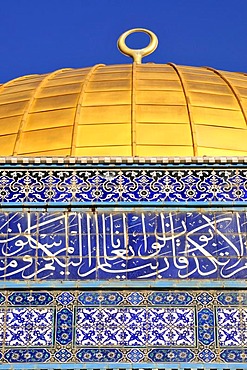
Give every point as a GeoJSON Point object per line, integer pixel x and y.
{"type": "Point", "coordinates": [106, 326]}
{"type": "Point", "coordinates": [123, 184]}
{"type": "Point", "coordinates": [123, 245]}
{"type": "Point", "coordinates": [232, 326]}
{"type": "Point", "coordinates": [28, 326]}
{"type": "Point", "coordinates": [135, 326]}
{"type": "Point", "coordinates": [129, 244]}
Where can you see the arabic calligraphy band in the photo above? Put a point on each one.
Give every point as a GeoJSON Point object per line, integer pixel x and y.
{"type": "Point", "coordinates": [123, 245]}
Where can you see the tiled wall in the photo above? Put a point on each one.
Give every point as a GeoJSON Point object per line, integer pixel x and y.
{"type": "Point", "coordinates": [109, 231]}
{"type": "Point", "coordinates": [123, 245]}
{"type": "Point", "coordinates": [123, 326]}
{"type": "Point", "coordinates": [123, 184]}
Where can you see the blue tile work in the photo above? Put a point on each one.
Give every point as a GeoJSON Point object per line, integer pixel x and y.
{"type": "Point", "coordinates": [28, 326]}
{"type": "Point", "coordinates": [123, 245]}
{"type": "Point", "coordinates": [142, 184]}
{"type": "Point", "coordinates": [110, 326]}
{"type": "Point", "coordinates": [111, 246]}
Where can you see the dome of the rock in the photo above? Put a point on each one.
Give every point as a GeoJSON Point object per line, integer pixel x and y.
{"type": "Point", "coordinates": [125, 110]}
{"type": "Point", "coordinates": [122, 246]}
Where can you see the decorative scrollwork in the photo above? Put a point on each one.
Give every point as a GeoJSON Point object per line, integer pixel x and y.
{"type": "Point", "coordinates": [123, 185]}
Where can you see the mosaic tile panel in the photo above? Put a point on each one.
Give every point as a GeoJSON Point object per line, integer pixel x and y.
{"type": "Point", "coordinates": [28, 326]}
{"type": "Point", "coordinates": [123, 184]}
{"type": "Point", "coordinates": [123, 326]}
{"type": "Point", "coordinates": [117, 245]}
{"type": "Point", "coordinates": [135, 326]}
{"type": "Point", "coordinates": [232, 326]}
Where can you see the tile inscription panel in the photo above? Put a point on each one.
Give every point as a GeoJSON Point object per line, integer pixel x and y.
{"type": "Point", "coordinates": [123, 326]}
{"type": "Point", "coordinates": [123, 245]}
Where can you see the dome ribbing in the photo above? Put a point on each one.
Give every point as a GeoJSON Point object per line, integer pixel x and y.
{"type": "Point", "coordinates": [124, 110]}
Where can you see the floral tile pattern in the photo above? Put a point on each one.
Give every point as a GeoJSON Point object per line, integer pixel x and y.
{"type": "Point", "coordinates": [135, 326]}
{"type": "Point", "coordinates": [106, 326]}
{"type": "Point", "coordinates": [232, 326]}
{"type": "Point", "coordinates": [29, 326]}
{"type": "Point", "coordinates": [123, 184]}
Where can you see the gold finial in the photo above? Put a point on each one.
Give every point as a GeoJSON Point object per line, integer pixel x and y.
{"type": "Point", "coordinates": [137, 54]}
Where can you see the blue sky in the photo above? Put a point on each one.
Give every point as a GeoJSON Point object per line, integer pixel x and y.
{"type": "Point", "coordinates": [42, 36]}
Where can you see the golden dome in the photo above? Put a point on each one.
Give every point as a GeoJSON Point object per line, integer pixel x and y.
{"type": "Point", "coordinates": [125, 110]}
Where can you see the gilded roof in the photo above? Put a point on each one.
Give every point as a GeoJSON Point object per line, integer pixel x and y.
{"type": "Point", "coordinates": [125, 110]}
